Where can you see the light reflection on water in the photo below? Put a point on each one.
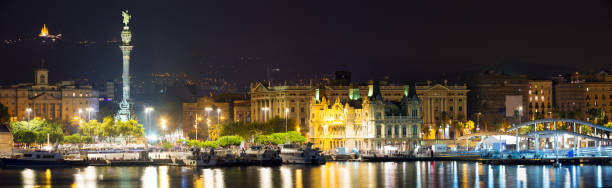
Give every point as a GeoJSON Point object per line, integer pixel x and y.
{"type": "Point", "coordinates": [340, 174]}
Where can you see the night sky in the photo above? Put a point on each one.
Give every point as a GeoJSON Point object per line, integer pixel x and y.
{"type": "Point", "coordinates": [238, 40]}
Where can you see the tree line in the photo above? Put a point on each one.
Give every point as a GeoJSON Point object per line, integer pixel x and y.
{"type": "Point", "coordinates": [39, 131]}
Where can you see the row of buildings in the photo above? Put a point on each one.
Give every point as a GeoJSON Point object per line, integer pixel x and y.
{"type": "Point", "coordinates": [65, 100]}
{"type": "Point", "coordinates": [340, 113]}
{"type": "Point", "coordinates": [331, 115]}
{"type": "Point", "coordinates": [496, 98]}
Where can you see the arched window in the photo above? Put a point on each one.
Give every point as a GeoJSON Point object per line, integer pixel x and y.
{"type": "Point", "coordinates": [42, 79]}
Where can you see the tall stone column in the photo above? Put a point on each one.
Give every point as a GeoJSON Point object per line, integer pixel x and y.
{"type": "Point", "coordinates": [124, 113]}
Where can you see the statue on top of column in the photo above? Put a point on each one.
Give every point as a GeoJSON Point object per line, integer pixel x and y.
{"type": "Point", "coordinates": [126, 17]}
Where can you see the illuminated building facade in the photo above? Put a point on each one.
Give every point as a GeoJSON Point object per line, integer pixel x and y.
{"type": "Point", "coordinates": [570, 99]}
{"type": "Point", "coordinates": [495, 96]}
{"type": "Point", "coordinates": [439, 101]}
{"type": "Point", "coordinates": [205, 108]}
{"type": "Point", "coordinates": [242, 111]}
{"type": "Point", "coordinates": [576, 97]}
{"type": "Point", "coordinates": [598, 95]}
{"type": "Point", "coordinates": [366, 123]}
{"type": "Point", "coordinates": [540, 99]}
{"type": "Point", "coordinates": [61, 101]}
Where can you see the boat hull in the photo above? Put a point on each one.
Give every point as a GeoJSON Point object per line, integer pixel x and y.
{"type": "Point", "coordinates": [200, 163]}
{"type": "Point", "coordinates": [25, 163]}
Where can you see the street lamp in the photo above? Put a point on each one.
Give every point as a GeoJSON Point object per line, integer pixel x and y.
{"type": "Point", "coordinates": [196, 125]}
{"type": "Point", "coordinates": [80, 113]}
{"type": "Point", "coordinates": [520, 109]}
{"type": "Point", "coordinates": [478, 121]}
{"type": "Point", "coordinates": [29, 110]}
{"type": "Point", "coordinates": [265, 110]}
{"type": "Point", "coordinates": [286, 122]}
{"type": "Point", "coordinates": [147, 111]}
{"type": "Point", "coordinates": [218, 116]}
{"type": "Point", "coordinates": [208, 109]}
{"type": "Point", "coordinates": [163, 124]}
{"type": "Point", "coordinates": [89, 113]}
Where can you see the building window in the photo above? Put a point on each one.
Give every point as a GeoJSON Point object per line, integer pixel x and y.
{"type": "Point", "coordinates": [388, 132]}
{"type": "Point", "coordinates": [414, 130]}
{"type": "Point", "coordinates": [397, 131]}
{"type": "Point", "coordinates": [460, 109]}
{"type": "Point", "coordinates": [404, 131]}
{"type": "Point", "coordinates": [292, 109]}
{"type": "Point", "coordinates": [414, 113]}
{"type": "Point", "coordinates": [378, 131]}
{"type": "Point", "coordinates": [302, 109]}
{"type": "Point", "coordinates": [303, 121]}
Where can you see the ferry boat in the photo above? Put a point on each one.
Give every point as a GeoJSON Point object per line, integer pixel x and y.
{"type": "Point", "coordinates": [201, 159]}
{"type": "Point", "coordinates": [263, 156]}
{"type": "Point", "coordinates": [36, 159]}
{"type": "Point", "coordinates": [296, 154]}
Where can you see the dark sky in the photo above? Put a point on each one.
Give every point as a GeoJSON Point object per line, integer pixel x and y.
{"type": "Point", "coordinates": [400, 39]}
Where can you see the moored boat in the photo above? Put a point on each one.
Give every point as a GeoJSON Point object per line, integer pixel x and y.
{"type": "Point", "coordinates": [258, 155]}
{"type": "Point", "coordinates": [296, 154]}
{"type": "Point", "coordinates": [201, 159]}
{"type": "Point", "coordinates": [37, 159]}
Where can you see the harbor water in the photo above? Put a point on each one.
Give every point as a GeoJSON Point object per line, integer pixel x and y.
{"type": "Point", "coordinates": [332, 174]}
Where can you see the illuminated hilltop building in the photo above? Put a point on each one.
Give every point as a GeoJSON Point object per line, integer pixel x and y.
{"type": "Point", "coordinates": [366, 123]}
{"type": "Point", "coordinates": [44, 32]}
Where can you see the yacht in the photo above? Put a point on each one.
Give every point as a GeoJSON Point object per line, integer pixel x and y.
{"type": "Point", "coordinates": [297, 154]}
{"type": "Point", "coordinates": [36, 159]}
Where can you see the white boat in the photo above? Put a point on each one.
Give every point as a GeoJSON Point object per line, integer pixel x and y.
{"type": "Point", "coordinates": [297, 154]}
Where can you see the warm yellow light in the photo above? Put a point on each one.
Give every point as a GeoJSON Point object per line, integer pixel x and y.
{"type": "Point", "coordinates": [44, 31]}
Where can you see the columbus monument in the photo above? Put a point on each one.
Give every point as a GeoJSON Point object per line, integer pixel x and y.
{"type": "Point", "coordinates": [125, 112]}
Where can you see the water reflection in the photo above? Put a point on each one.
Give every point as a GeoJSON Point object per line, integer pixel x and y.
{"type": "Point", "coordinates": [85, 177]}
{"type": "Point", "coordinates": [286, 177]}
{"type": "Point", "coordinates": [163, 177]}
{"type": "Point", "coordinates": [502, 173]}
{"type": "Point", "coordinates": [477, 175]}
{"type": "Point", "coordinates": [28, 177]}
{"type": "Point", "coordinates": [149, 177]}
{"type": "Point", "coordinates": [418, 174]}
{"type": "Point", "coordinates": [598, 177]}
{"type": "Point", "coordinates": [298, 178]}
{"type": "Point", "coordinates": [545, 176]}
{"type": "Point", "coordinates": [521, 176]}
{"type": "Point", "coordinates": [341, 174]}
{"type": "Point", "coordinates": [265, 177]}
